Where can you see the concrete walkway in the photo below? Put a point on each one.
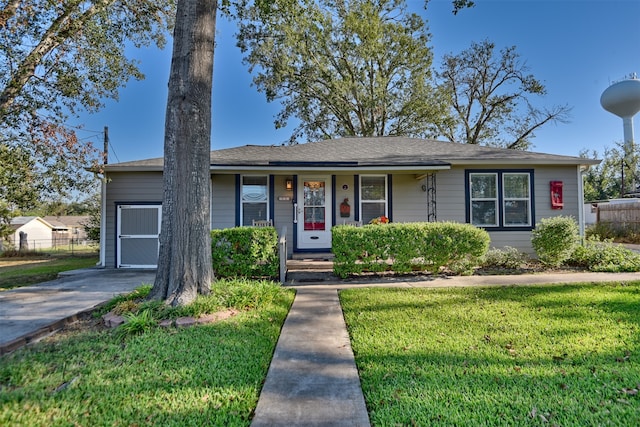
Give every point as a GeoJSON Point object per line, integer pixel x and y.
{"type": "Point", "coordinates": [313, 380]}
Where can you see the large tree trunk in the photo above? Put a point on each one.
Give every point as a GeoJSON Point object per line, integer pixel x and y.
{"type": "Point", "coordinates": [184, 263]}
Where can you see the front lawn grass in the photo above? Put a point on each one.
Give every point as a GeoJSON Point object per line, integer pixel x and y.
{"type": "Point", "coordinates": [563, 355]}
{"type": "Point", "coordinates": [16, 272]}
{"type": "Point", "coordinates": [203, 375]}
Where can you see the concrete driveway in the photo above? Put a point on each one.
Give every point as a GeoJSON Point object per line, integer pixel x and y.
{"type": "Point", "coordinates": [30, 312]}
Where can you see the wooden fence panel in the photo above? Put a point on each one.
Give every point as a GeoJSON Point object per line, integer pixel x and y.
{"type": "Point", "coordinates": [619, 213]}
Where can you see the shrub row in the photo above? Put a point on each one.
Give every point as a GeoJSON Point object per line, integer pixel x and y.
{"type": "Point", "coordinates": [604, 256]}
{"type": "Point", "coordinates": [407, 247]}
{"type": "Point", "coordinates": [245, 252]}
{"type": "Point", "coordinates": [507, 257]}
{"type": "Point", "coordinates": [557, 242]}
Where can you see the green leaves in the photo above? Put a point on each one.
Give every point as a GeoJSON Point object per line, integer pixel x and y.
{"type": "Point", "coordinates": [136, 323]}
{"type": "Point", "coordinates": [489, 94]}
{"type": "Point", "coordinates": [58, 58]}
{"type": "Point", "coordinates": [403, 248]}
{"type": "Point", "coordinates": [554, 239]}
{"type": "Point", "coordinates": [597, 255]}
{"type": "Point", "coordinates": [357, 68]}
{"type": "Point", "coordinates": [72, 53]}
{"type": "Point", "coordinates": [245, 252]}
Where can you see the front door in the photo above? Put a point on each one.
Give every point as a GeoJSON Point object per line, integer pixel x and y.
{"type": "Point", "coordinates": [314, 212]}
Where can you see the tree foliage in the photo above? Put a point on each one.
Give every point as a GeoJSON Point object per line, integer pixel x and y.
{"type": "Point", "coordinates": [347, 68]}
{"type": "Point", "coordinates": [490, 98]}
{"type": "Point", "coordinates": [616, 176]}
{"type": "Point", "coordinates": [92, 207]}
{"type": "Point", "coordinates": [70, 54]}
{"type": "Point", "coordinates": [16, 185]}
{"type": "Point", "coordinates": [58, 58]}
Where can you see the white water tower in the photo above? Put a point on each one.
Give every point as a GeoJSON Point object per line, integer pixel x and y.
{"type": "Point", "coordinates": [623, 99]}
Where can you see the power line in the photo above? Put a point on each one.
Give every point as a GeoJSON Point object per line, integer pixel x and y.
{"type": "Point", "coordinates": [112, 150]}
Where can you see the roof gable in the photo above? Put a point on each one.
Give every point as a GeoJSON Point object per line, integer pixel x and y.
{"type": "Point", "coordinates": [20, 221]}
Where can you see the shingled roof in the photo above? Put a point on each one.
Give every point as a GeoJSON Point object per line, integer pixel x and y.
{"type": "Point", "coordinates": [394, 153]}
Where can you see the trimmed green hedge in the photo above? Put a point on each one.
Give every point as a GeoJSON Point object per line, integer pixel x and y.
{"type": "Point", "coordinates": [554, 239]}
{"type": "Point", "coordinates": [405, 247]}
{"type": "Point", "coordinates": [245, 252]}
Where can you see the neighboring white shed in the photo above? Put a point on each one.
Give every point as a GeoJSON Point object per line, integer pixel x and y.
{"type": "Point", "coordinates": [590, 213]}
{"type": "Point", "coordinates": [37, 229]}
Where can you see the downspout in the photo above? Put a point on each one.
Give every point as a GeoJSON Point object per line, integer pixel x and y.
{"type": "Point", "coordinates": [581, 170]}
{"type": "Point", "coordinates": [103, 201]}
{"type": "Point", "coordinates": [103, 220]}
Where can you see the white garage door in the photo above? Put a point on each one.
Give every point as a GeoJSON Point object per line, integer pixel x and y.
{"type": "Point", "coordinates": [138, 232]}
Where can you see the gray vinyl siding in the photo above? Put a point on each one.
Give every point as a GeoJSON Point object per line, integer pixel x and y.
{"type": "Point", "coordinates": [344, 190]}
{"type": "Point", "coordinates": [408, 204]}
{"type": "Point", "coordinates": [569, 176]}
{"type": "Point", "coordinates": [223, 201]}
{"type": "Point", "coordinates": [223, 204]}
{"type": "Point", "coordinates": [132, 188]}
{"type": "Point", "coordinates": [450, 197]}
{"type": "Point", "coordinates": [283, 209]}
{"type": "Point", "coordinates": [520, 240]}
{"type": "Point", "coordinates": [409, 201]}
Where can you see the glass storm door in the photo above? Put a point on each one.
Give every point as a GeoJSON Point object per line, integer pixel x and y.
{"type": "Point", "coordinates": [314, 213]}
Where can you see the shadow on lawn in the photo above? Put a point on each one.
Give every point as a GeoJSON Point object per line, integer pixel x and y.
{"type": "Point", "coordinates": [204, 375]}
{"type": "Point", "coordinates": [462, 389]}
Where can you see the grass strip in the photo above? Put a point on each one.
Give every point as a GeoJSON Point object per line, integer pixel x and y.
{"type": "Point", "coordinates": [203, 375]}
{"type": "Point", "coordinates": [541, 355]}
{"type": "Point", "coordinates": [14, 274]}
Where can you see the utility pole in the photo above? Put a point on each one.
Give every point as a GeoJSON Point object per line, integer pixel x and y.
{"type": "Point", "coordinates": [105, 152]}
{"type": "Point", "coordinates": [622, 183]}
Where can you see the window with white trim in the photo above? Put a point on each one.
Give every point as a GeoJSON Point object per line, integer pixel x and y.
{"type": "Point", "coordinates": [254, 200]}
{"type": "Point", "coordinates": [500, 199]}
{"type": "Point", "coordinates": [516, 203]}
{"type": "Point", "coordinates": [373, 197]}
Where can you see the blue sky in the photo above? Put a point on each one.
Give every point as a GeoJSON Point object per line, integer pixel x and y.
{"type": "Point", "coordinates": [577, 48]}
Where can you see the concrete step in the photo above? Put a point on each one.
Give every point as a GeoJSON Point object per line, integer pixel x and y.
{"type": "Point", "coordinates": [308, 276]}
{"type": "Point", "coordinates": [309, 270]}
{"type": "Point", "coordinates": [307, 265]}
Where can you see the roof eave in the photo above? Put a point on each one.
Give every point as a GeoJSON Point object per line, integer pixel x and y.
{"type": "Point", "coordinates": [538, 162]}
{"type": "Point", "coordinates": [334, 168]}
{"type": "Point", "coordinates": [133, 168]}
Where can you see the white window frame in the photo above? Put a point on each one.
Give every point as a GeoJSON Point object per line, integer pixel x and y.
{"type": "Point", "coordinates": [386, 195]}
{"type": "Point", "coordinates": [501, 200]}
{"type": "Point", "coordinates": [243, 201]}
{"type": "Point", "coordinates": [506, 199]}
{"type": "Point", "coordinates": [495, 199]}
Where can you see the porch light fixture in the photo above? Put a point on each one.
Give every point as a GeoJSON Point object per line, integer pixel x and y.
{"type": "Point", "coordinates": [288, 184]}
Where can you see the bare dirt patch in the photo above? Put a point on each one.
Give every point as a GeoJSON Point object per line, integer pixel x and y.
{"type": "Point", "coordinates": [220, 315]}
{"type": "Point", "coordinates": [90, 324]}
